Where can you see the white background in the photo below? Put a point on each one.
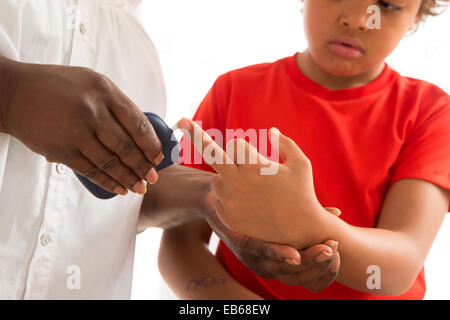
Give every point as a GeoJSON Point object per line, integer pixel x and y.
{"type": "Point", "coordinates": [198, 40]}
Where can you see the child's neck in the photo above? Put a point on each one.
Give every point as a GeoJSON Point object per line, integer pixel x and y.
{"type": "Point", "coordinates": [314, 72]}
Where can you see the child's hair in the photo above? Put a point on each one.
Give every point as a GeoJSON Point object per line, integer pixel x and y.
{"type": "Point", "coordinates": [432, 8]}
{"type": "Point", "coordinates": [429, 8]}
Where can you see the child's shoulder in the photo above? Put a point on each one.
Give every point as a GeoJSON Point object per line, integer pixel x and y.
{"type": "Point", "coordinates": [422, 98]}
{"type": "Point", "coordinates": [421, 88]}
{"type": "Point", "coordinates": [253, 74]}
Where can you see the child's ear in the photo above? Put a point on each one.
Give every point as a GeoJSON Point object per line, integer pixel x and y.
{"type": "Point", "coordinates": [415, 23]}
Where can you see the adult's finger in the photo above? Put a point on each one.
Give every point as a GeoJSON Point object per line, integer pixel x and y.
{"type": "Point", "coordinates": [139, 128]}
{"type": "Point", "coordinates": [316, 254]}
{"type": "Point", "coordinates": [212, 153]}
{"type": "Point", "coordinates": [88, 169]}
{"type": "Point", "coordinates": [112, 165]}
{"type": "Point", "coordinates": [113, 136]}
{"type": "Point", "coordinates": [326, 278]}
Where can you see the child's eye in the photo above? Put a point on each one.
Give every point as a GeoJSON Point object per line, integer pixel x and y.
{"type": "Point", "coordinates": [388, 5]}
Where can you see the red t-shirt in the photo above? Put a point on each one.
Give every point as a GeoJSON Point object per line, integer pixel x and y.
{"type": "Point", "coordinates": [359, 141]}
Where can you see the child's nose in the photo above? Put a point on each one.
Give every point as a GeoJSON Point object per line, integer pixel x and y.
{"type": "Point", "coordinates": [354, 19]}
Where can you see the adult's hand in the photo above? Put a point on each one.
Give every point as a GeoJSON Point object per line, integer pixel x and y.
{"type": "Point", "coordinates": [80, 118]}
{"type": "Point", "coordinates": [314, 268]}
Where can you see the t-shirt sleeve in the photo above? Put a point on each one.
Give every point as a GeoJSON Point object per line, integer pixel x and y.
{"type": "Point", "coordinates": [211, 116]}
{"type": "Point", "coordinates": [426, 152]}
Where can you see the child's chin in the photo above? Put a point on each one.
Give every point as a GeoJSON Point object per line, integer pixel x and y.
{"type": "Point", "coordinates": [343, 68]}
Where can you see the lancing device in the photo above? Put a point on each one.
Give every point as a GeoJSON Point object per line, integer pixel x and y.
{"type": "Point", "coordinates": [170, 148]}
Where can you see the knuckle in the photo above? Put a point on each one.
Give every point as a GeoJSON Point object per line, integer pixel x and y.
{"type": "Point", "coordinates": [92, 173]}
{"type": "Point", "coordinates": [126, 148]}
{"type": "Point", "coordinates": [110, 164]}
{"type": "Point", "coordinates": [50, 157]}
{"type": "Point", "coordinates": [88, 107]}
{"type": "Point", "coordinates": [102, 82]}
{"type": "Point", "coordinates": [132, 180]}
{"type": "Point", "coordinates": [143, 125]}
{"type": "Point", "coordinates": [307, 162]}
{"type": "Point", "coordinates": [143, 167]}
{"type": "Point", "coordinates": [54, 156]}
{"type": "Point", "coordinates": [110, 184]}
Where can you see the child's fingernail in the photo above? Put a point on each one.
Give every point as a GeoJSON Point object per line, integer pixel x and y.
{"type": "Point", "coordinates": [323, 256]}
{"type": "Point", "coordinates": [184, 124]}
{"type": "Point", "coordinates": [294, 262]}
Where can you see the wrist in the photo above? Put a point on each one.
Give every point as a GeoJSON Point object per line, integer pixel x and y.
{"type": "Point", "coordinates": [320, 227]}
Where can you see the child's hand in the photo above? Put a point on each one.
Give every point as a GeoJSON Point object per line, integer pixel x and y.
{"type": "Point", "coordinates": [314, 268]}
{"type": "Point", "coordinates": [281, 207]}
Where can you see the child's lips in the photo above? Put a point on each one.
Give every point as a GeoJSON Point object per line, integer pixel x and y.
{"type": "Point", "coordinates": [347, 47]}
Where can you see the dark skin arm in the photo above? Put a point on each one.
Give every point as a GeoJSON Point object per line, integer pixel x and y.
{"type": "Point", "coordinates": [183, 195]}
{"type": "Point", "coordinates": [99, 133]}
{"type": "Point", "coordinates": [80, 118]}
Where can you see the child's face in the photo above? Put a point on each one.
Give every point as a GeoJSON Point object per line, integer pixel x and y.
{"type": "Point", "coordinates": [327, 20]}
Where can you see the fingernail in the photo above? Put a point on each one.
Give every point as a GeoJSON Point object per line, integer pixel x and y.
{"type": "Point", "coordinates": [334, 245]}
{"type": "Point", "coordinates": [152, 176]}
{"type": "Point", "coordinates": [139, 187]}
{"type": "Point", "coordinates": [159, 159]}
{"type": "Point", "coordinates": [294, 262]}
{"type": "Point", "coordinates": [275, 131]}
{"type": "Point", "coordinates": [184, 124]}
{"type": "Point", "coordinates": [323, 256]}
{"type": "Point", "coordinates": [120, 190]}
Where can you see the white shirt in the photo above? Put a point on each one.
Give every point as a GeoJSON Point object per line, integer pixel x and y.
{"type": "Point", "coordinates": [57, 241]}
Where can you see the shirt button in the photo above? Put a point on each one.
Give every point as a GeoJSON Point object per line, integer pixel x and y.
{"type": "Point", "coordinates": [60, 168]}
{"type": "Point", "coordinates": [82, 28]}
{"type": "Point", "coordinates": [45, 239]}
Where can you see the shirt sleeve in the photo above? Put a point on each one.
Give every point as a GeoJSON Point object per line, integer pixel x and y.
{"type": "Point", "coordinates": [9, 40]}
{"type": "Point", "coordinates": [211, 116]}
{"type": "Point", "coordinates": [426, 152]}
{"type": "Point", "coordinates": [10, 28]}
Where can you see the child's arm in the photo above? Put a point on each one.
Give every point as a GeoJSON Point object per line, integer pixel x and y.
{"type": "Point", "coordinates": [410, 218]}
{"type": "Point", "coordinates": [283, 208]}
{"type": "Point", "coordinates": [191, 270]}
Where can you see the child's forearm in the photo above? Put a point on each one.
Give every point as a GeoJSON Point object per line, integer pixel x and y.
{"type": "Point", "coordinates": [365, 251]}
{"type": "Point", "coordinates": [192, 272]}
